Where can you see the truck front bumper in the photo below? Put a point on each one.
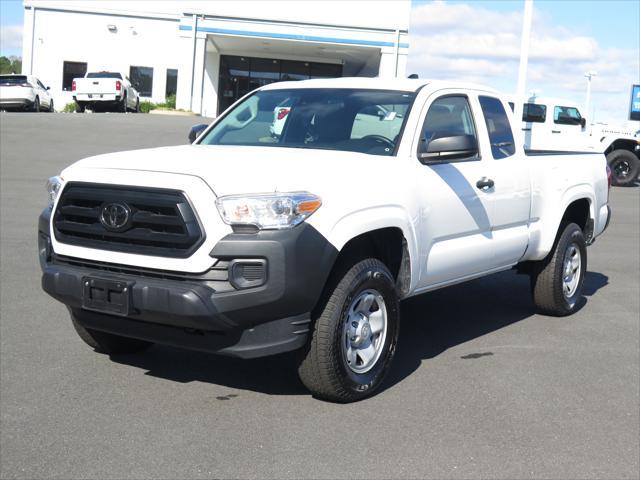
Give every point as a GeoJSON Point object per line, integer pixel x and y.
{"type": "Point", "coordinates": [216, 311]}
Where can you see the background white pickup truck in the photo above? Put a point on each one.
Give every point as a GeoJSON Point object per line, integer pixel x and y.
{"type": "Point", "coordinates": [248, 243]}
{"type": "Point", "coordinates": [105, 90]}
{"type": "Point", "coordinates": [557, 124]}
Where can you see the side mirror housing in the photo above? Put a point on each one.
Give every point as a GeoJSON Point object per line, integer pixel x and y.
{"type": "Point", "coordinates": [444, 149]}
{"type": "Point", "coordinates": [48, 88]}
{"type": "Point", "coordinates": [583, 122]}
{"type": "Point", "coordinates": [195, 131]}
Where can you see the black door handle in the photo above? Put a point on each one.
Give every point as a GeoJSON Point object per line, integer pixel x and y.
{"type": "Point", "coordinates": [484, 183]}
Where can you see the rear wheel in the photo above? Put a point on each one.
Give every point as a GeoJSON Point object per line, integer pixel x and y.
{"type": "Point", "coordinates": [556, 281]}
{"type": "Point", "coordinates": [80, 107]}
{"type": "Point", "coordinates": [36, 105]}
{"type": "Point", "coordinates": [355, 336]}
{"type": "Point", "coordinates": [107, 342]}
{"type": "Point", "coordinates": [123, 105]}
{"type": "Point", "coordinates": [625, 167]}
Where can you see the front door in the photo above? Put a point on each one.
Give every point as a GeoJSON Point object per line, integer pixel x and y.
{"type": "Point", "coordinates": [455, 220]}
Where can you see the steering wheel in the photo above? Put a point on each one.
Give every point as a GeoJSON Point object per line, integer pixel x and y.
{"type": "Point", "coordinates": [380, 139]}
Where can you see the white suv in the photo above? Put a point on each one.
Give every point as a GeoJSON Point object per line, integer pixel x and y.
{"type": "Point", "coordinates": [24, 92]}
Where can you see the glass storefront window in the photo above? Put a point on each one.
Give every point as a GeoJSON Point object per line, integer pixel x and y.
{"type": "Point", "coordinates": [240, 75]}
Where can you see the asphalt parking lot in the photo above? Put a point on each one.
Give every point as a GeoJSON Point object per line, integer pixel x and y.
{"type": "Point", "coordinates": [481, 387]}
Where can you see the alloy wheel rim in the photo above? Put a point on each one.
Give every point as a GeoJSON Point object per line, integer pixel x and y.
{"type": "Point", "coordinates": [622, 168]}
{"type": "Point", "coordinates": [364, 331]}
{"type": "Point", "coordinates": [571, 272]}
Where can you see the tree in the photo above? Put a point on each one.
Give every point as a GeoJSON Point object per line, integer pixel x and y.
{"type": "Point", "coordinates": [10, 65]}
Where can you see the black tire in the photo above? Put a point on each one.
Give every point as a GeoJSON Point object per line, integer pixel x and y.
{"type": "Point", "coordinates": [123, 106]}
{"type": "Point", "coordinates": [324, 369]}
{"type": "Point", "coordinates": [36, 105]}
{"type": "Point", "coordinates": [51, 109]}
{"type": "Point", "coordinates": [547, 276]}
{"type": "Point", "coordinates": [137, 106]}
{"type": "Point", "coordinates": [80, 107]}
{"type": "Point", "coordinates": [108, 343]}
{"type": "Point", "coordinates": [625, 167]}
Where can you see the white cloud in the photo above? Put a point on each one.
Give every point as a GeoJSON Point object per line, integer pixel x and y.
{"type": "Point", "coordinates": [469, 43]}
{"type": "Point", "coordinates": [10, 37]}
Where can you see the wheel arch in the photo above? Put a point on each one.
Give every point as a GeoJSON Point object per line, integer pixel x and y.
{"type": "Point", "coordinates": [578, 206]}
{"type": "Point", "coordinates": [385, 233]}
{"type": "Point", "coordinates": [622, 144]}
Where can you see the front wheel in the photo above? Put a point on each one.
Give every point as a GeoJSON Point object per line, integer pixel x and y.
{"type": "Point", "coordinates": [108, 343]}
{"type": "Point", "coordinates": [355, 335]}
{"type": "Point", "coordinates": [51, 109]}
{"type": "Point", "coordinates": [625, 167]}
{"type": "Point", "coordinates": [557, 281]}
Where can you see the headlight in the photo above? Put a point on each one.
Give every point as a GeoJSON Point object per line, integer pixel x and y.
{"type": "Point", "coordinates": [53, 188]}
{"type": "Point", "coordinates": [268, 211]}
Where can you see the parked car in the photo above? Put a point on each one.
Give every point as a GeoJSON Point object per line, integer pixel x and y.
{"type": "Point", "coordinates": [105, 91]}
{"type": "Point", "coordinates": [24, 92]}
{"type": "Point", "coordinates": [246, 246]}
{"type": "Point", "coordinates": [557, 124]}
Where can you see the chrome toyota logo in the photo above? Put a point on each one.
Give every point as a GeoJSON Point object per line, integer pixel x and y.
{"type": "Point", "coordinates": [115, 216]}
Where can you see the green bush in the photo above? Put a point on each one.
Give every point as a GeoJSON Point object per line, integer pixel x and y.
{"type": "Point", "coordinates": [146, 107]}
{"type": "Point", "coordinates": [170, 102]}
{"type": "Point", "coordinates": [69, 108]}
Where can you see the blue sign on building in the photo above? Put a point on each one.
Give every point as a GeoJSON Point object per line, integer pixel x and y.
{"type": "Point", "coordinates": [634, 111]}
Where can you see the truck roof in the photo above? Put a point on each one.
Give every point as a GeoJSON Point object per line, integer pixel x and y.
{"type": "Point", "coordinates": [377, 83]}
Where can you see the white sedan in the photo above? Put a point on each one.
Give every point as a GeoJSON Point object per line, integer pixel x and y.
{"type": "Point", "coordinates": [24, 92]}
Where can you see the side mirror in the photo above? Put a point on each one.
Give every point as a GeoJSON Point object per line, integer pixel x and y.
{"type": "Point", "coordinates": [449, 148]}
{"type": "Point", "coordinates": [48, 88]}
{"type": "Point", "coordinates": [195, 131]}
{"type": "Point", "coordinates": [583, 122]}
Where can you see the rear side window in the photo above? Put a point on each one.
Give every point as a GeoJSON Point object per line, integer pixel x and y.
{"type": "Point", "coordinates": [566, 116]}
{"type": "Point", "coordinates": [534, 113]}
{"type": "Point", "coordinates": [498, 126]}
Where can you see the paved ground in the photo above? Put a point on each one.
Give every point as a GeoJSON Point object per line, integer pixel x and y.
{"type": "Point", "coordinates": [482, 387]}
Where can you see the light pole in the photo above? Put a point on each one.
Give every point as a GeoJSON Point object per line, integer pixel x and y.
{"type": "Point", "coordinates": [524, 57]}
{"type": "Point", "coordinates": [587, 105]}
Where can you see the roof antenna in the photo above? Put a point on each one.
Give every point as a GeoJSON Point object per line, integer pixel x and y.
{"type": "Point", "coordinates": [413, 76]}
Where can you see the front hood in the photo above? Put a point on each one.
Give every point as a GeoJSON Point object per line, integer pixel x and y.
{"type": "Point", "coordinates": [237, 169]}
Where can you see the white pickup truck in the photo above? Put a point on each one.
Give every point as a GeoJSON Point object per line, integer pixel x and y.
{"type": "Point", "coordinates": [557, 124]}
{"type": "Point", "coordinates": [247, 244]}
{"type": "Point", "coordinates": [105, 91]}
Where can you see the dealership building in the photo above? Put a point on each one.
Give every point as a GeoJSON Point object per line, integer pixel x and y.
{"type": "Point", "coordinates": [210, 53]}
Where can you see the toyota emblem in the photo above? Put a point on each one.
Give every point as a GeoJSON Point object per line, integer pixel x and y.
{"type": "Point", "coordinates": [115, 216]}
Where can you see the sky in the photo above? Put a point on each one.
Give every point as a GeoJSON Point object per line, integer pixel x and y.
{"type": "Point", "coordinates": [479, 41]}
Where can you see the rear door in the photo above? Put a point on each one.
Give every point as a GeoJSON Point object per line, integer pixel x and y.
{"type": "Point", "coordinates": [509, 172]}
{"type": "Point", "coordinates": [455, 217]}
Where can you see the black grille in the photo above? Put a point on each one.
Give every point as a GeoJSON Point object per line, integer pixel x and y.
{"type": "Point", "coordinates": [162, 222]}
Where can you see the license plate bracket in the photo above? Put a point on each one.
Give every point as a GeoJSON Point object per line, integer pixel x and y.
{"type": "Point", "coordinates": [106, 296]}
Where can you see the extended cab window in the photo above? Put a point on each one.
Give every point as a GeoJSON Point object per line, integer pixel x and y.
{"type": "Point", "coordinates": [534, 113]}
{"type": "Point", "coordinates": [567, 116]}
{"type": "Point", "coordinates": [448, 116]}
{"type": "Point", "coordinates": [498, 126]}
{"type": "Point", "coordinates": [357, 120]}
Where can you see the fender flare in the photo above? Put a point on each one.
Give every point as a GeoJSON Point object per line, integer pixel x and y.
{"type": "Point", "coordinates": [366, 220]}
{"type": "Point", "coordinates": [548, 230]}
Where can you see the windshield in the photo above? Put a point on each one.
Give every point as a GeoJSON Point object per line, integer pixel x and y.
{"type": "Point", "coordinates": [357, 120]}
{"type": "Point", "coordinates": [13, 80]}
{"type": "Point", "coordinates": [104, 75]}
